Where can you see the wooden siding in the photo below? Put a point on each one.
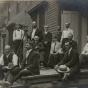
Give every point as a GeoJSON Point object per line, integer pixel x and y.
{"type": "Point", "coordinates": [52, 16]}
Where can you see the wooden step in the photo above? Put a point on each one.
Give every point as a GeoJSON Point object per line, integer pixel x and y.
{"type": "Point", "coordinates": [50, 77]}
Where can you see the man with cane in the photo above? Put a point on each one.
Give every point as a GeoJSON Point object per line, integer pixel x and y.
{"type": "Point", "coordinates": [18, 36]}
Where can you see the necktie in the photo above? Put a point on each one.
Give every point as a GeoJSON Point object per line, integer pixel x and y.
{"type": "Point", "coordinates": [27, 54]}
{"type": "Point", "coordinates": [54, 46]}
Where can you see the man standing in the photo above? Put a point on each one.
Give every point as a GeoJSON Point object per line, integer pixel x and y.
{"type": "Point", "coordinates": [70, 60]}
{"type": "Point", "coordinates": [6, 60]}
{"type": "Point", "coordinates": [35, 32]}
{"type": "Point", "coordinates": [47, 39]}
{"type": "Point", "coordinates": [18, 36]}
{"type": "Point", "coordinates": [64, 37]}
{"type": "Point", "coordinates": [59, 34]}
{"type": "Point", "coordinates": [29, 65]}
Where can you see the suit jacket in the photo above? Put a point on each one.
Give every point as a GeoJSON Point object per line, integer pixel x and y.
{"type": "Point", "coordinates": [47, 37]}
{"type": "Point", "coordinates": [71, 60]}
{"type": "Point", "coordinates": [32, 63]}
{"type": "Point", "coordinates": [59, 34]}
{"type": "Point", "coordinates": [74, 44]}
{"type": "Point", "coordinates": [40, 48]}
{"type": "Point", "coordinates": [37, 33]}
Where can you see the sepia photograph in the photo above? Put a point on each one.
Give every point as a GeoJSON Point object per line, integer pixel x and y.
{"type": "Point", "coordinates": [43, 43]}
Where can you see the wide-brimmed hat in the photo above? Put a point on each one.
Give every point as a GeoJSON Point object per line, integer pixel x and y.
{"type": "Point", "coordinates": [63, 69]}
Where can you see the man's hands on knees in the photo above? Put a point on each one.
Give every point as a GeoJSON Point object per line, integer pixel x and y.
{"type": "Point", "coordinates": [4, 68]}
{"type": "Point", "coordinates": [56, 66]}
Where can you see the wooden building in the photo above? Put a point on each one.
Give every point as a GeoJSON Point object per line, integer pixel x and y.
{"type": "Point", "coordinates": [50, 12]}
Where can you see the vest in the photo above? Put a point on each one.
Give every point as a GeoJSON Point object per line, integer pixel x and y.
{"type": "Point", "coordinates": [8, 59]}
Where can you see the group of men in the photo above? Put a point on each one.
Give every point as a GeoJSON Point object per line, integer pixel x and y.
{"type": "Point", "coordinates": [43, 50]}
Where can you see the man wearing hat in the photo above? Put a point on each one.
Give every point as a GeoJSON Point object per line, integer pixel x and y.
{"type": "Point", "coordinates": [47, 39]}
{"type": "Point", "coordinates": [59, 33]}
{"type": "Point", "coordinates": [7, 61]}
{"type": "Point", "coordinates": [70, 60]}
{"type": "Point", "coordinates": [54, 53]}
{"type": "Point", "coordinates": [64, 37]}
{"type": "Point", "coordinates": [29, 65]}
{"type": "Point", "coordinates": [35, 32]}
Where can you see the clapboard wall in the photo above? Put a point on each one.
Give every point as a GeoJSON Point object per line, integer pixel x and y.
{"type": "Point", "coordinates": [52, 16]}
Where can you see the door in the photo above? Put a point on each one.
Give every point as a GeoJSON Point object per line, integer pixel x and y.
{"type": "Point", "coordinates": [72, 18]}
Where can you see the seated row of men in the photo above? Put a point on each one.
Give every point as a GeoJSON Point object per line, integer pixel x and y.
{"type": "Point", "coordinates": [9, 67]}
{"type": "Point", "coordinates": [56, 51]}
{"type": "Point", "coordinates": [30, 64]}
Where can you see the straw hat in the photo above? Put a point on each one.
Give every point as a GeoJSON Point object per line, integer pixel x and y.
{"type": "Point", "coordinates": [63, 69]}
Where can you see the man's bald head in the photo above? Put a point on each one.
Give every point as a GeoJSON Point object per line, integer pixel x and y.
{"type": "Point", "coordinates": [34, 24]}
{"type": "Point", "coordinates": [7, 49]}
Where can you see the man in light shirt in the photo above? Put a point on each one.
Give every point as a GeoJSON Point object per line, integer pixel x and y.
{"type": "Point", "coordinates": [18, 36]}
{"type": "Point", "coordinates": [54, 53]}
{"type": "Point", "coordinates": [64, 37]}
{"type": "Point", "coordinates": [84, 54]}
{"type": "Point", "coordinates": [7, 60]}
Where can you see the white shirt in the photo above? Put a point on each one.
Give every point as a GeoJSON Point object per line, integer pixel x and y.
{"type": "Point", "coordinates": [85, 50]}
{"type": "Point", "coordinates": [33, 33]}
{"type": "Point", "coordinates": [14, 59]}
{"type": "Point", "coordinates": [69, 51]}
{"type": "Point", "coordinates": [18, 35]}
{"type": "Point", "coordinates": [46, 32]}
{"type": "Point", "coordinates": [57, 46]}
{"type": "Point", "coordinates": [65, 33]}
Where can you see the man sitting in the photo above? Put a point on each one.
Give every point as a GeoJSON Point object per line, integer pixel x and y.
{"type": "Point", "coordinates": [72, 42]}
{"type": "Point", "coordinates": [39, 46]}
{"type": "Point", "coordinates": [84, 54]}
{"type": "Point", "coordinates": [7, 61]}
{"type": "Point", "coordinates": [70, 60]}
{"type": "Point", "coordinates": [29, 65]}
{"type": "Point", "coordinates": [54, 53]}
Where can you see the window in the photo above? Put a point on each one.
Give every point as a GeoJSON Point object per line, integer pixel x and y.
{"type": "Point", "coordinates": [37, 14]}
{"type": "Point", "coordinates": [40, 19]}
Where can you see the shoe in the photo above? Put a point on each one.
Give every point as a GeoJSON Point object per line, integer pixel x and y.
{"type": "Point", "coordinates": [65, 78]}
{"type": "Point", "coordinates": [5, 83]}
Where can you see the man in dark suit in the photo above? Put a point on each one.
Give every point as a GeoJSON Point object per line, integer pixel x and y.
{"type": "Point", "coordinates": [29, 66]}
{"type": "Point", "coordinates": [59, 34]}
{"type": "Point", "coordinates": [72, 42]}
{"type": "Point", "coordinates": [35, 32]}
{"type": "Point", "coordinates": [71, 60]}
{"type": "Point", "coordinates": [47, 38]}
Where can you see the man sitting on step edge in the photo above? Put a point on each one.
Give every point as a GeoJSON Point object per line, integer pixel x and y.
{"type": "Point", "coordinates": [7, 61]}
{"type": "Point", "coordinates": [29, 65]}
